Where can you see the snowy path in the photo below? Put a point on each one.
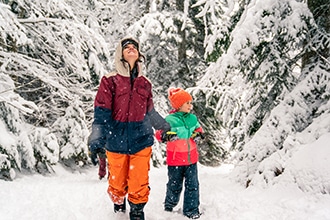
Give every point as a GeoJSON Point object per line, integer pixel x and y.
{"type": "Point", "coordinates": [81, 196]}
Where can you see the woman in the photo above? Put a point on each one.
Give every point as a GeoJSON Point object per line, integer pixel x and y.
{"type": "Point", "coordinates": [124, 115]}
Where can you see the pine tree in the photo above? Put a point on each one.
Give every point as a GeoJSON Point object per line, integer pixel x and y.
{"type": "Point", "coordinates": [293, 121]}
{"type": "Point", "coordinates": [72, 134]}
{"type": "Point", "coordinates": [51, 56]}
{"type": "Point", "coordinates": [255, 68]}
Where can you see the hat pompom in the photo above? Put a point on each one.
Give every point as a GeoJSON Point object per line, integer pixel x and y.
{"type": "Point", "coordinates": [178, 97]}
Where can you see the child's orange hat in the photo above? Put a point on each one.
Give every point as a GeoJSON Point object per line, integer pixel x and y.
{"type": "Point", "coordinates": [178, 97]}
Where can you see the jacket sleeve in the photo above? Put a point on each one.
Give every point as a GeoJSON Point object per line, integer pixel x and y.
{"type": "Point", "coordinates": [102, 116]}
{"type": "Point", "coordinates": [101, 123]}
{"type": "Point", "coordinates": [157, 121]}
{"type": "Point", "coordinates": [158, 135]}
{"type": "Point", "coordinates": [199, 130]}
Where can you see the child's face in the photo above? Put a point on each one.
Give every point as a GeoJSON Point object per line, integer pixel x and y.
{"type": "Point", "coordinates": [186, 107]}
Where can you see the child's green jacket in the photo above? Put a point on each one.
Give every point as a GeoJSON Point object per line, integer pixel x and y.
{"type": "Point", "coordinates": [184, 150]}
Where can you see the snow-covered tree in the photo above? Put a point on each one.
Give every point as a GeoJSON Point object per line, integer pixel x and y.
{"type": "Point", "coordinates": [72, 133]}
{"type": "Point", "coordinates": [51, 56]}
{"type": "Point", "coordinates": [257, 86]}
{"type": "Point", "coordinates": [257, 46]}
{"type": "Point", "coordinates": [16, 151]}
{"type": "Point", "coordinates": [301, 118]}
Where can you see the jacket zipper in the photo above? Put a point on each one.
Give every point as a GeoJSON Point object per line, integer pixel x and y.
{"type": "Point", "coordinates": [127, 113]}
{"type": "Point", "coordinates": [185, 125]}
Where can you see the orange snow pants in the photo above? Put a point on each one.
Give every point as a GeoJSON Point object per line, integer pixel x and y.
{"type": "Point", "coordinates": [129, 174]}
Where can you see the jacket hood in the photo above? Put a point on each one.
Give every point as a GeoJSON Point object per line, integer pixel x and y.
{"type": "Point", "coordinates": [122, 66]}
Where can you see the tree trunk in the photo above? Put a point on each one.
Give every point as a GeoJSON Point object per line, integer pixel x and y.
{"type": "Point", "coordinates": [321, 13]}
{"type": "Point", "coordinates": [182, 55]}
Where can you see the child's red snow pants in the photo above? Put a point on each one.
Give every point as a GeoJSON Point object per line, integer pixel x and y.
{"type": "Point", "coordinates": [129, 174]}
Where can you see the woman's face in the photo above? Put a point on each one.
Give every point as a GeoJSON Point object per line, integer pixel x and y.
{"type": "Point", "coordinates": [130, 53]}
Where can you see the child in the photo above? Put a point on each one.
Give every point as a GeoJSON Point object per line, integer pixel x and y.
{"type": "Point", "coordinates": [182, 155]}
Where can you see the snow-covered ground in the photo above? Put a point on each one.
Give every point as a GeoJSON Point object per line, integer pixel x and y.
{"type": "Point", "coordinates": [81, 196]}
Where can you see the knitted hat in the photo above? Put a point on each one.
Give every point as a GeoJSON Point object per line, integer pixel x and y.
{"type": "Point", "coordinates": [125, 42]}
{"type": "Point", "coordinates": [129, 41]}
{"type": "Point", "coordinates": [178, 97]}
